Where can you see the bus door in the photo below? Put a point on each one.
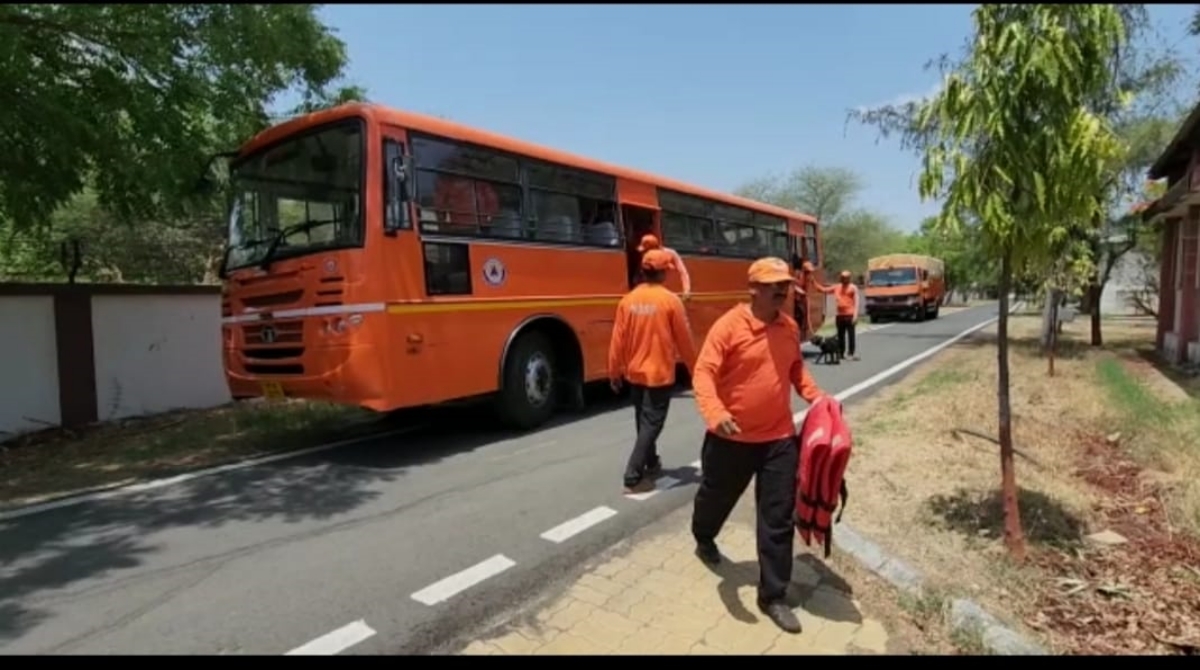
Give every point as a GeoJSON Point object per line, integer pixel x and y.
{"type": "Point", "coordinates": [399, 212]}
{"type": "Point", "coordinates": [639, 216]}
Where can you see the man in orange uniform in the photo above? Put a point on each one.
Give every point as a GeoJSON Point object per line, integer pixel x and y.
{"type": "Point", "coordinates": [743, 378]}
{"type": "Point", "coordinates": [650, 329]}
{"type": "Point", "coordinates": [651, 242]}
{"type": "Point", "coordinates": [847, 295]}
{"type": "Point", "coordinates": [803, 277]}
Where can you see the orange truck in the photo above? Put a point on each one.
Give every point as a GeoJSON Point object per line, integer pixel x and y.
{"type": "Point", "coordinates": [910, 285]}
{"type": "Point", "coordinates": [388, 260]}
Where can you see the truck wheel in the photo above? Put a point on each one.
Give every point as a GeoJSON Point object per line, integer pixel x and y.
{"type": "Point", "coordinates": [872, 318]}
{"type": "Point", "coordinates": [933, 313]}
{"type": "Point", "coordinates": [530, 391]}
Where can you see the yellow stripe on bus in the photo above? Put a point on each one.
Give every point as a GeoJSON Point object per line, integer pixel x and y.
{"type": "Point", "coordinates": [543, 303]}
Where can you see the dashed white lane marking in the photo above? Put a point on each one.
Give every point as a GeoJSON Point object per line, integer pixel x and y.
{"type": "Point", "coordinates": [459, 582]}
{"type": "Point", "coordinates": [661, 485]}
{"type": "Point", "coordinates": [336, 641]}
{"type": "Point", "coordinates": [568, 529]}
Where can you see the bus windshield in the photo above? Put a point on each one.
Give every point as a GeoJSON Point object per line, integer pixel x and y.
{"type": "Point", "coordinates": [297, 197]}
{"type": "Point", "coordinates": [892, 277]}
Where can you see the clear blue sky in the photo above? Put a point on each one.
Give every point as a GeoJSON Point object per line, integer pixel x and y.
{"type": "Point", "coordinates": [714, 95]}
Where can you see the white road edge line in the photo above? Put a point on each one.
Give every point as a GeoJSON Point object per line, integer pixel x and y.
{"type": "Point", "coordinates": [451, 586]}
{"type": "Point", "coordinates": [568, 529]}
{"type": "Point", "coordinates": [107, 494]}
{"type": "Point", "coordinates": [907, 363]}
{"type": "Point", "coordinates": [336, 641]}
{"type": "Point", "coordinates": [661, 485]}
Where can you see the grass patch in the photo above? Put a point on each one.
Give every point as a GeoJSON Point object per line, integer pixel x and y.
{"type": "Point", "coordinates": [59, 461]}
{"type": "Point", "coordinates": [926, 608]}
{"type": "Point", "coordinates": [1160, 434]}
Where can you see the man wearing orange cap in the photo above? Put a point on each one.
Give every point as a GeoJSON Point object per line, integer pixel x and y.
{"type": "Point", "coordinates": [649, 242]}
{"type": "Point", "coordinates": [742, 381]}
{"type": "Point", "coordinates": [847, 296]}
{"type": "Point", "coordinates": [649, 331]}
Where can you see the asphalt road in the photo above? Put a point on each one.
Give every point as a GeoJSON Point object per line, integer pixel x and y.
{"type": "Point", "coordinates": [391, 546]}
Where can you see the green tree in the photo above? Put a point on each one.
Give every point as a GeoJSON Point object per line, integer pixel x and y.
{"type": "Point", "coordinates": [181, 250]}
{"type": "Point", "coordinates": [1012, 139]}
{"type": "Point", "coordinates": [131, 99]}
{"type": "Point", "coordinates": [967, 267]}
{"type": "Point", "coordinates": [1149, 73]}
{"type": "Point", "coordinates": [850, 235]}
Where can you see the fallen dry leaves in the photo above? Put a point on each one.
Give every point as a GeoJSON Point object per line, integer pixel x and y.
{"type": "Point", "coordinates": [1141, 596]}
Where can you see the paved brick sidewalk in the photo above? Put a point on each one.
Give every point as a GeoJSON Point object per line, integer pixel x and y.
{"type": "Point", "coordinates": [651, 595]}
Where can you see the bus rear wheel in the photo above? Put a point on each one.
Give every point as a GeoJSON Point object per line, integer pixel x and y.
{"type": "Point", "coordinates": [530, 391]}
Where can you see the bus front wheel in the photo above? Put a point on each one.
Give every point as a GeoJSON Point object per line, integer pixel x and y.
{"type": "Point", "coordinates": [528, 397]}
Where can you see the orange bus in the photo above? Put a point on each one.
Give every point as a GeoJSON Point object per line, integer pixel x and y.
{"type": "Point", "coordinates": [389, 260]}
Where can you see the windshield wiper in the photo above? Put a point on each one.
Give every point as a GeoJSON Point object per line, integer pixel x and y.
{"type": "Point", "coordinates": [303, 226]}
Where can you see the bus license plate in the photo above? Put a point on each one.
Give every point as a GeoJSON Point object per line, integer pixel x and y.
{"type": "Point", "coordinates": [272, 390]}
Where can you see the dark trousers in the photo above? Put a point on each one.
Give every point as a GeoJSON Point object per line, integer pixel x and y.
{"type": "Point", "coordinates": [726, 468]}
{"type": "Point", "coordinates": [845, 333]}
{"type": "Point", "coordinates": [650, 407]}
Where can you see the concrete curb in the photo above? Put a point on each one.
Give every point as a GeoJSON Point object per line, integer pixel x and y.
{"type": "Point", "coordinates": [963, 615]}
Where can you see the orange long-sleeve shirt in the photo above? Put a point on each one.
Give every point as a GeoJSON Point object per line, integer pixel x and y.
{"type": "Point", "coordinates": [650, 328]}
{"type": "Point", "coordinates": [746, 370]}
{"type": "Point", "coordinates": [846, 297]}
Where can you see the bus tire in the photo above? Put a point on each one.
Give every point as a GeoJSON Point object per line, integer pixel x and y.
{"type": "Point", "coordinates": [529, 394]}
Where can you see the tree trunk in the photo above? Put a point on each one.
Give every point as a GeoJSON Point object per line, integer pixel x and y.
{"type": "Point", "coordinates": [1052, 303]}
{"type": "Point", "coordinates": [1014, 538]}
{"type": "Point", "coordinates": [1094, 291]}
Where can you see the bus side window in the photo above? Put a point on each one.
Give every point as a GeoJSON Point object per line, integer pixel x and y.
{"type": "Point", "coordinates": [447, 268]}
{"type": "Point", "coordinates": [810, 236]}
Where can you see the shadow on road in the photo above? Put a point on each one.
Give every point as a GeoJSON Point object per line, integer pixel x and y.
{"type": "Point", "coordinates": [42, 554]}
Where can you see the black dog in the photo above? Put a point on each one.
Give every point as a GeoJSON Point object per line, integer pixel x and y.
{"type": "Point", "coordinates": [830, 349]}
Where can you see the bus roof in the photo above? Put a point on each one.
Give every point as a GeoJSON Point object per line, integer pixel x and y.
{"type": "Point", "coordinates": [457, 131]}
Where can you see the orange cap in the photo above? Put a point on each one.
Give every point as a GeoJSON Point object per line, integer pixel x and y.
{"type": "Point", "coordinates": [769, 270]}
{"type": "Point", "coordinates": [845, 274]}
{"type": "Point", "coordinates": [648, 242]}
{"type": "Point", "coordinates": [657, 259]}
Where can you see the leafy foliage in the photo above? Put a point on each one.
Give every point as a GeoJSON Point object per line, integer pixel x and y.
{"type": "Point", "coordinates": [850, 234]}
{"type": "Point", "coordinates": [1015, 140]}
{"type": "Point", "coordinates": [131, 99]}
{"type": "Point", "coordinates": [967, 265]}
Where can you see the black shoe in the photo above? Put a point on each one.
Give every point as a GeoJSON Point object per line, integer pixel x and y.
{"type": "Point", "coordinates": [708, 552]}
{"type": "Point", "coordinates": [782, 615]}
{"type": "Point", "coordinates": [654, 470]}
{"type": "Point", "coordinates": [644, 485]}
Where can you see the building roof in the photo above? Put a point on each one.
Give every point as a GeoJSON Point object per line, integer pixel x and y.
{"type": "Point", "coordinates": [1181, 146]}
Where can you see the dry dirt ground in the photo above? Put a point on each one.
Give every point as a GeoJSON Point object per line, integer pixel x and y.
{"type": "Point", "coordinates": [55, 462]}
{"type": "Point", "coordinates": [1107, 444]}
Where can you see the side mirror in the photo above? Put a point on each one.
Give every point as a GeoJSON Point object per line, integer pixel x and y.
{"type": "Point", "coordinates": [400, 169]}
{"type": "Point", "coordinates": [397, 179]}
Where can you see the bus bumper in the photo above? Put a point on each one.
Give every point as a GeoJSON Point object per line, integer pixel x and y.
{"type": "Point", "coordinates": [345, 374]}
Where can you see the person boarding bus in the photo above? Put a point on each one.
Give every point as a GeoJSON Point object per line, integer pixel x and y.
{"type": "Point", "coordinates": [650, 242]}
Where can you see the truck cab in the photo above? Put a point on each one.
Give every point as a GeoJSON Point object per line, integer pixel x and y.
{"type": "Point", "coordinates": [904, 285]}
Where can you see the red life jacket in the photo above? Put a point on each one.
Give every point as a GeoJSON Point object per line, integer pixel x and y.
{"type": "Point", "coordinates": [825, 443]}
